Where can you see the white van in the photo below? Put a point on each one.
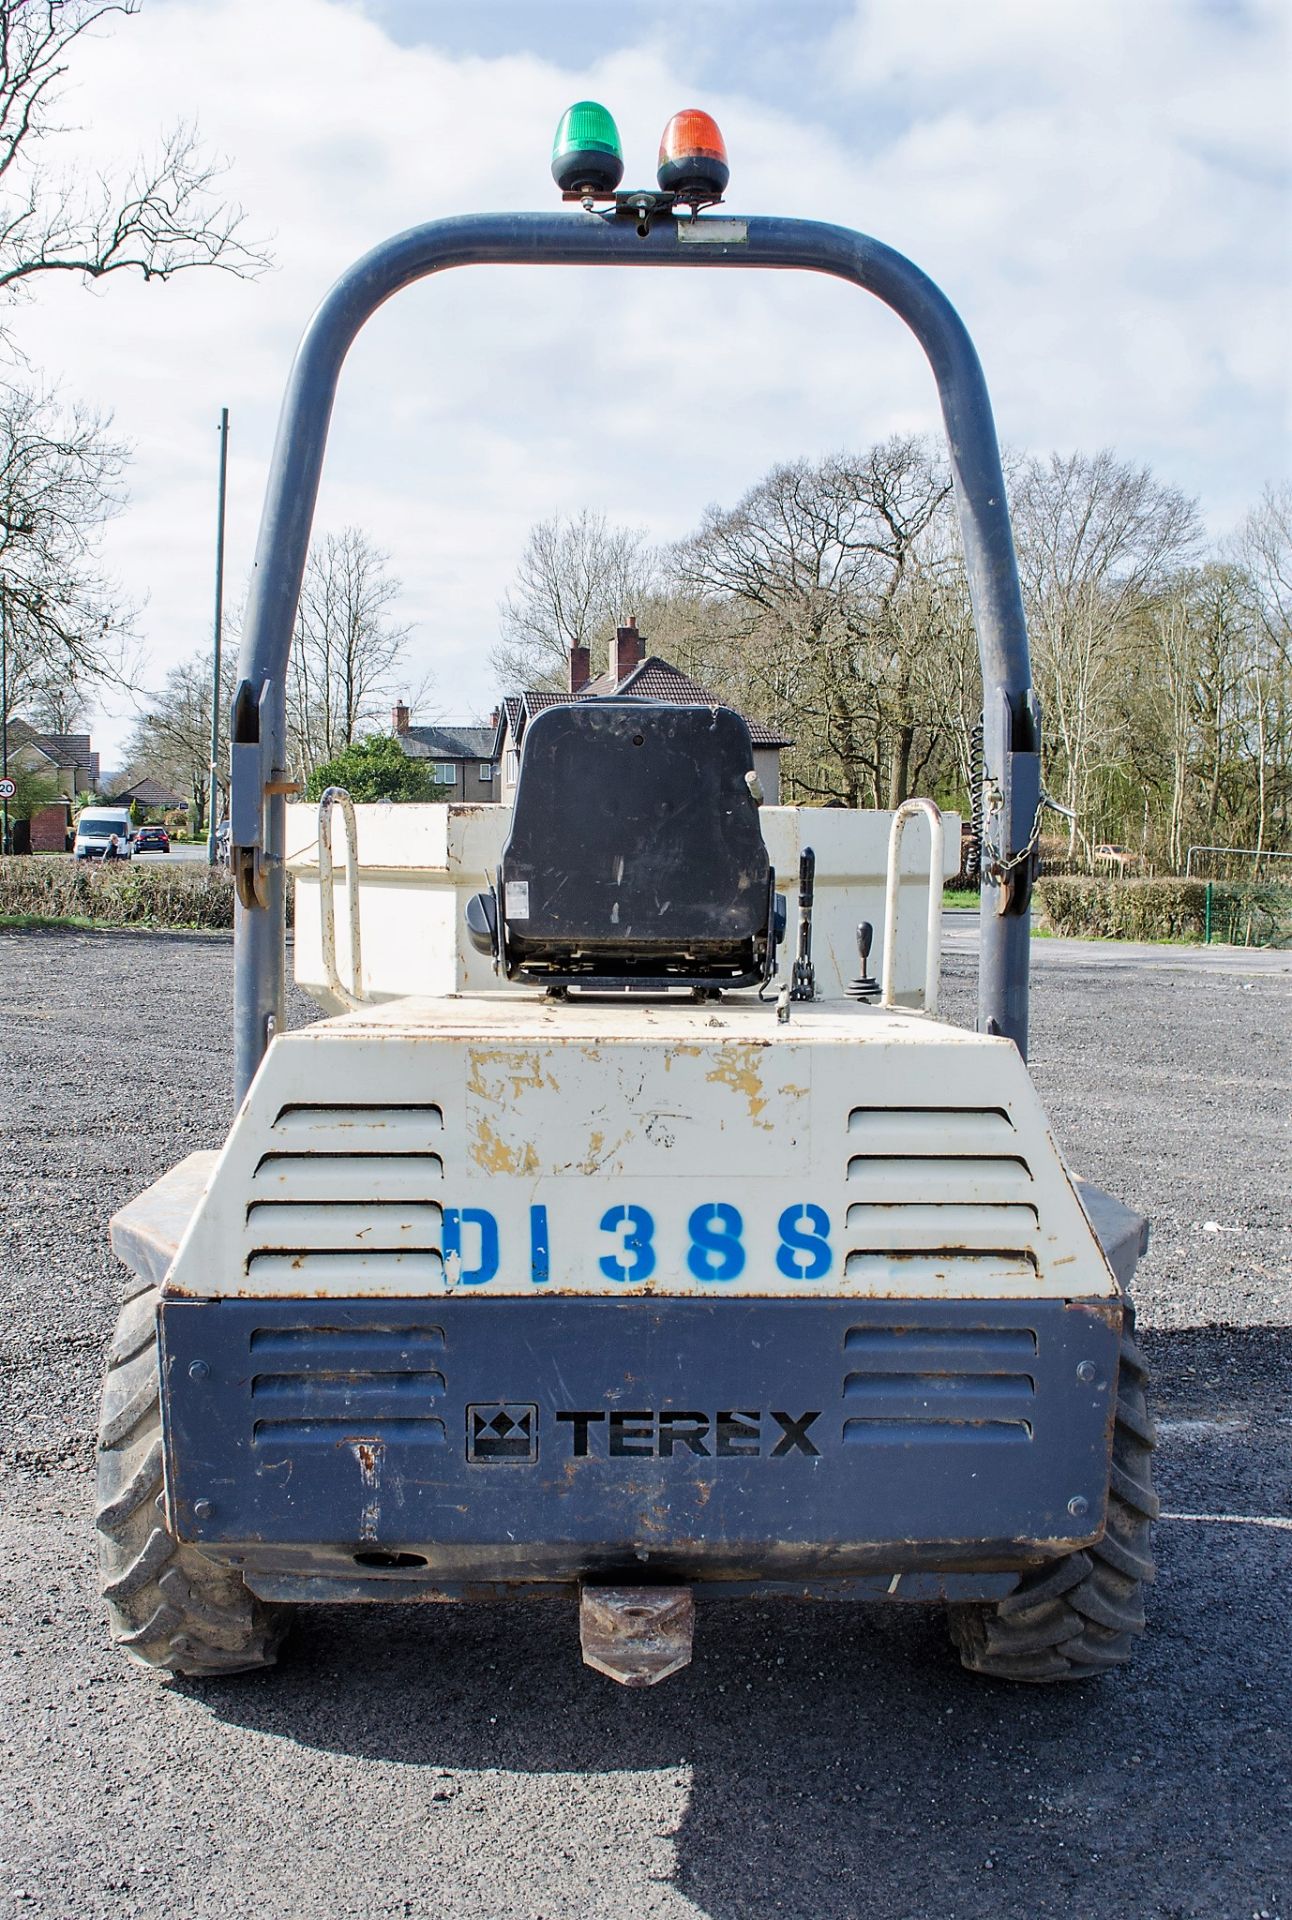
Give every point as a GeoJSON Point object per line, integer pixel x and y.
{"type": "Point", "coordinates": [95, 829]}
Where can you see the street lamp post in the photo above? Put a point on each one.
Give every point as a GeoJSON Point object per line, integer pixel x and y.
{"type": "Point", "coordinates": [4, 707]}
{"type": "Point", "coordinates": [219, 624]}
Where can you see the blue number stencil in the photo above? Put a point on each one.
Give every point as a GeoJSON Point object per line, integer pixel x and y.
{"type": "Point", "coordinates": [804, 1252]}
{"type": "Point", "coordinates": [715, 1251]}
{"type": "Point", "coordinates": [635, 1259]}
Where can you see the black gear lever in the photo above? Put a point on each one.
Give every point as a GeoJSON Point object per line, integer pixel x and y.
{"type": "Point", "coordinates": [863, 988]}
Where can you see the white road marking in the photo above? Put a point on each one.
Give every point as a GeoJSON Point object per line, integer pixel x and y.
{"type": "Point", "coordinates": [1282, 1522]}
{"type": "Point", "coordinates": [1193, 1429]}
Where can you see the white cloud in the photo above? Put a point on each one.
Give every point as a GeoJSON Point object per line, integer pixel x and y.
{"type": "Point", "coordinates": [1096, 186]}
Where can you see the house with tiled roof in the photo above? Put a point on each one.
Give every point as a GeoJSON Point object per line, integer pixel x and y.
{"type": "Point", "coordinates": [68, 763]}
{"type": "Point", "coordinates": [462, 757]}
{"type": "Point", "coordinates": [66, 758]}
{"type": "Point", "coordinates": [150, 796]}
{"type": "Point", "coordinates": [631, 674]}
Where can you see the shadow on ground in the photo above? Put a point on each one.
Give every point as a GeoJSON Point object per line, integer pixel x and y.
{"type": "Point", "coordinates": [841, 1763]}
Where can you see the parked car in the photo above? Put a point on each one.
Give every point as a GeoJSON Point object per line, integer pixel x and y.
{"type": "Point", "coordinates": [103, 833]}
{"type": "Point", "coordinates": [1124, 859]}
{"type": "Point", "coordinates": [152, 840]}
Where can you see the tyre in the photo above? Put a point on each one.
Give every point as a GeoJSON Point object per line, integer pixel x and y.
{"type": "Point", "coordinates": [169, 1606]}
{"type": "Point", "coordinates": [1080, 1615]}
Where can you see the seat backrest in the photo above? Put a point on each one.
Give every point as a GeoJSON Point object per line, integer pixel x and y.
{"type": "Point", "coordinates": [635, 833]}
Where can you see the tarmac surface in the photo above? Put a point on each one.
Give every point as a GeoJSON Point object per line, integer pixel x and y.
{"type": "Point", "coordinates": [816, 1762]}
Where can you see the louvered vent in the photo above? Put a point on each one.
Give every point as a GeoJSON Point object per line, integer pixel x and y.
{"type": "Point", "coordinates": [939, 1196]}
{"type": "Point", "coordinates": [346, 1195]}
{"type": "Point", "coordinates": [365, 1384]}
{"type": "Point", "coordinates": [912, 1384]}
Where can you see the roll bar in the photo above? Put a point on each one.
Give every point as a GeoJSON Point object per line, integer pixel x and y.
{"type": "Point", "coordinates": [1011, 720]}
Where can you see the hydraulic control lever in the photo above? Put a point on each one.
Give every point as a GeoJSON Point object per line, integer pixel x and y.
{"type": "Point", "coordinates": [864, 987]}
{"type": "Point", "coordinates": [803, 977]}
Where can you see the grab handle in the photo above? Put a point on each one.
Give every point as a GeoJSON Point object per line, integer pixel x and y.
{"type": "Point", "coordinates": [338, 797]}
{"type": "Point", "coordinates": [910, 810]}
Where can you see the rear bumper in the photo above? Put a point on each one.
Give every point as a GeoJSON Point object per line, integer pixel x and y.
{"type": "Point", "coordinates": [337, 1449]}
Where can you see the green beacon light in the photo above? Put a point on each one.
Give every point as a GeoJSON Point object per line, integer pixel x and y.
{"type": "Point", "coordinates": [587, 159]}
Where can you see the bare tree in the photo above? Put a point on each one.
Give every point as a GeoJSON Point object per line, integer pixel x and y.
{"type": "Point", "coordinates": [59, 705]}
{"type": "Point", "coordinates": [575, 581]}
{"type": "Point", "coordinates": [161, 218]}
{"type": "Point", "coordinates": [1221, 613]}
{"type": "Point", "coordinates": [171, 740]}
{"type": "Point", "coordinates": [60, 471]}
{"type": "Point", "coordinates": [347, 648]}
{"type": "Point", "coordinates": [1094, 534]}
{"type": "Point", "coordinates": [822, 559]}
{"type": "Point", "coordinates": [832, 602]}
{"type": "Point", "coordinates": [1266, 550]}
{"type": "Point", "coordinates": [59, 486]}
{"type": "Point", "coordinates": [1169, 689]}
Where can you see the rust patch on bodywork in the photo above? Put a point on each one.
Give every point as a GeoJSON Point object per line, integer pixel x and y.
{"type": "Point", "coordinates": [370, 1455]}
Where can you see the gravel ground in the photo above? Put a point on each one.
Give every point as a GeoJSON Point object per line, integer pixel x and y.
{"type": "Point", "coordinates": [816, 1761]}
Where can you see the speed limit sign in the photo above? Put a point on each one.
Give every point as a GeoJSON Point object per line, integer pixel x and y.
{"type": "Point", "coordinates": [7, 789]}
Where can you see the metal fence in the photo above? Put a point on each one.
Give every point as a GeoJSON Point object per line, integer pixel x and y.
{"type": "Point", "coordinates": [1260, 865]}
{"type": "Point", "coordinates": [1256, 915]}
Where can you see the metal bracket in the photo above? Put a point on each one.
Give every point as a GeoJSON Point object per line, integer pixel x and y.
{"type": "Point", "coordinates": [249, 782]}
{"type": "Point", "coordinates": [642, 204]}
{"type": "Point", "coordinates": [1013, 806]}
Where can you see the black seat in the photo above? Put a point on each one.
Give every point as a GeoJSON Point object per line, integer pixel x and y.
{"type": "Point", "coordinates": [635, 852]}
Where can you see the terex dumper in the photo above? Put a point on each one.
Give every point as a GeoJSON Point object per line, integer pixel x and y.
{"type": "Point", "coordinates": [617, 1234]}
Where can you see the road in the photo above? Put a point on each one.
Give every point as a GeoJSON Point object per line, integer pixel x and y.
{"type": "Point", "coordinates": [817, 1762]}
{"type": "Point", "coordinates": [180, 853]}
{"type": "Point", "coordinates": [960, 927]}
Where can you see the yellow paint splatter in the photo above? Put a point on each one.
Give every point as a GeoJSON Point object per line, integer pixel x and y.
{"type": "Point", "coordinates": [488, 1072]}
{"type": "Point", "coordinates": [496, 1156]}
{"type": "Point", "coordinates": [740, 1069]}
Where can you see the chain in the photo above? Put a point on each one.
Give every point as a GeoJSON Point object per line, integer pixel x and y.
{"type": "Point", "coordinates": [1000, 871]}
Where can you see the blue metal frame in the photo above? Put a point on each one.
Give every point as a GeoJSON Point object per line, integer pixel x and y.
{"type": "Point", "coordinates": [705, 1439]}
{"type": "Point", "coordinates": [1011, 731]}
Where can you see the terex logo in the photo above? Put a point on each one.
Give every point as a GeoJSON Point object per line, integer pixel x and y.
{"type": "Point", "coordinates": [736, 1433]}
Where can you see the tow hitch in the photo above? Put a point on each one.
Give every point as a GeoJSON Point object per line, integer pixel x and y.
{"type": "Point", "coordinates": [636, 1635]}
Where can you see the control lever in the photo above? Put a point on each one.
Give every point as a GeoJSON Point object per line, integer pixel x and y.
{"type": "Point", "coordinates": [803, 977]}
{"type": "Point", "coordinates": [863, 988]}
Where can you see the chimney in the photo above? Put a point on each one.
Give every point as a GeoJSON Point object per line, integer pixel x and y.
{"type": "Point", "coordinates": [580, 668]}
{"type": "Point", "coordinates": [630, 649]}
{"type": "Point", "coordinates": [400, 718]}
{"type": "Point", "coordinates": [493, 718]}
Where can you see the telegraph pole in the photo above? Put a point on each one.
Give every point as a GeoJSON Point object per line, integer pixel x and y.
{"type": "Point", "coordinates": [4, 707]}
{"type": "Point", "coordinates": [219, 634]}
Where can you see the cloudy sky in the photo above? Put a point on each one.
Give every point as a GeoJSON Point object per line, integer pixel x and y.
{"type": "Point", "coordinates": [1102, 187]}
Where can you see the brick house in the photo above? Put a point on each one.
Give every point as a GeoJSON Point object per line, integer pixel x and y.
{"type": "Point", "coordinates": [462, 757]}
{"type": "Point", "coordinates": [631, 673]}
{"type": "Point", "coordinates": [66, 759]}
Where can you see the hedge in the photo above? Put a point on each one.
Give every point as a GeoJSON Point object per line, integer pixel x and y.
{"type": "Point", "coordinates": [1107, 907]}
{"type": "Point", "coordinates": [129, 894]}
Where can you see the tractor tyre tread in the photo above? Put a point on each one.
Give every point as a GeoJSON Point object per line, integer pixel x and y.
{"type": "Point", "coordinates": [1078, 1616]}
{"type": "Point", "coordinates": [135, 1285]}
{"type": "Point", "coordinates": [170, 1607]}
